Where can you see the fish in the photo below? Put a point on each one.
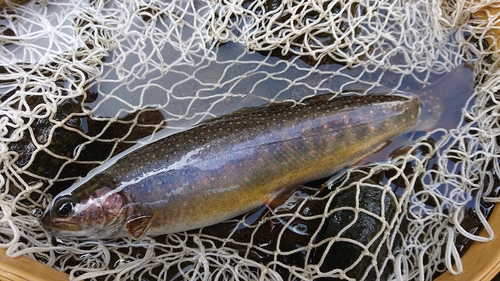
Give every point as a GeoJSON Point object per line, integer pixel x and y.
{"type": "Point", "coordinates": [230, 165]}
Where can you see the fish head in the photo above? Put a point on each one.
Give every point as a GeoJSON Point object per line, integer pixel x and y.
{"type": "Point", "coordinates": [93, 210]}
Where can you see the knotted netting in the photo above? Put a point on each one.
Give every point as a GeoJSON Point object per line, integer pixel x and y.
{"type": "Point", "coordinates": [81, 81]}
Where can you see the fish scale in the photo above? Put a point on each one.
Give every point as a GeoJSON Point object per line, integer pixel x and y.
{"type": "Point", "coordinates": [229, 165]}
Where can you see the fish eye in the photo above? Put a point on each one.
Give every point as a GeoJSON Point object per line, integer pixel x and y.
{"type": "Point", "coordinates": [64, 207]}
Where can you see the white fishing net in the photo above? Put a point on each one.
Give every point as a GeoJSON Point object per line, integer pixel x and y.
{"type": "Point", "coordinates": [82, 80]}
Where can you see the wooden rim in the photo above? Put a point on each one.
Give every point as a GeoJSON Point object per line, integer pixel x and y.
{"type": "Point", "coordinates": [482, 261]}
{"type": "Point", "coordinates": [23, 268]}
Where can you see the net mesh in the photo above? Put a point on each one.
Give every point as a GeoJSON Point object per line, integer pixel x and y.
{"type": "Point", "coordinates": [81, 81]}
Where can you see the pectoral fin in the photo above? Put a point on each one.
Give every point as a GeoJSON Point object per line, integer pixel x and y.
{"type": "Point", "coordinates": [138, 226]}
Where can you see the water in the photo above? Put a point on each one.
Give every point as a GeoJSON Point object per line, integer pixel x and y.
{"type": "Point", "coordinates": [183, 90]}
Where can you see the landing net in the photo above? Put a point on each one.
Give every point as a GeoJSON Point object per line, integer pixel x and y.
{"type": "Point", "coordinates": [82, 80]}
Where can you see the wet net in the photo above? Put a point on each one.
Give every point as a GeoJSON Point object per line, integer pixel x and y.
{"type": "Point", "coordinates": [81, 81]}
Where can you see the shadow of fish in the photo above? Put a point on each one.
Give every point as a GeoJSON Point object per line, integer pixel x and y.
{"type": "Point", "coordinates": [230, 165]}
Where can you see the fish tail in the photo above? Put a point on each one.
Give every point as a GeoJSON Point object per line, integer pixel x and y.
{"type": "Point", "coordinates": [443, 102]}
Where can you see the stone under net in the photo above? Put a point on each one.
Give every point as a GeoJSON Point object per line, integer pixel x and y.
{"type": "Point", "coordinates": [81, 81]}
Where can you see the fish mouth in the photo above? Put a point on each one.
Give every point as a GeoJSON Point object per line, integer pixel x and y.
{"type": "Point", "coordinates": [61, 227]}
{"type": "Point", "coordinates": [60, 232]}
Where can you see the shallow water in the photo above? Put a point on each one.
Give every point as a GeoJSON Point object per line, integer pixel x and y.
{"type": "Point", "coordinates": [186, 90]}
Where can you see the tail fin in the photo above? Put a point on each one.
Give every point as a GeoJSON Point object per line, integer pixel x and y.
{"type": "Point", "coordinates": [443, 102]}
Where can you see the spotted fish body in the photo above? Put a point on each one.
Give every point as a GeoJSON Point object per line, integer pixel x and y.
{"type": "Point", "coordinates": [230, 165]}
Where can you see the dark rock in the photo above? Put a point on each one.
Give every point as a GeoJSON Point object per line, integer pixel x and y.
{"type": "Point", "coordinates": [359, 233]}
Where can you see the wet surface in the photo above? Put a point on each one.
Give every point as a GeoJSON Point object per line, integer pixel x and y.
{"type": "Point", "coordinates": [290, 234]}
